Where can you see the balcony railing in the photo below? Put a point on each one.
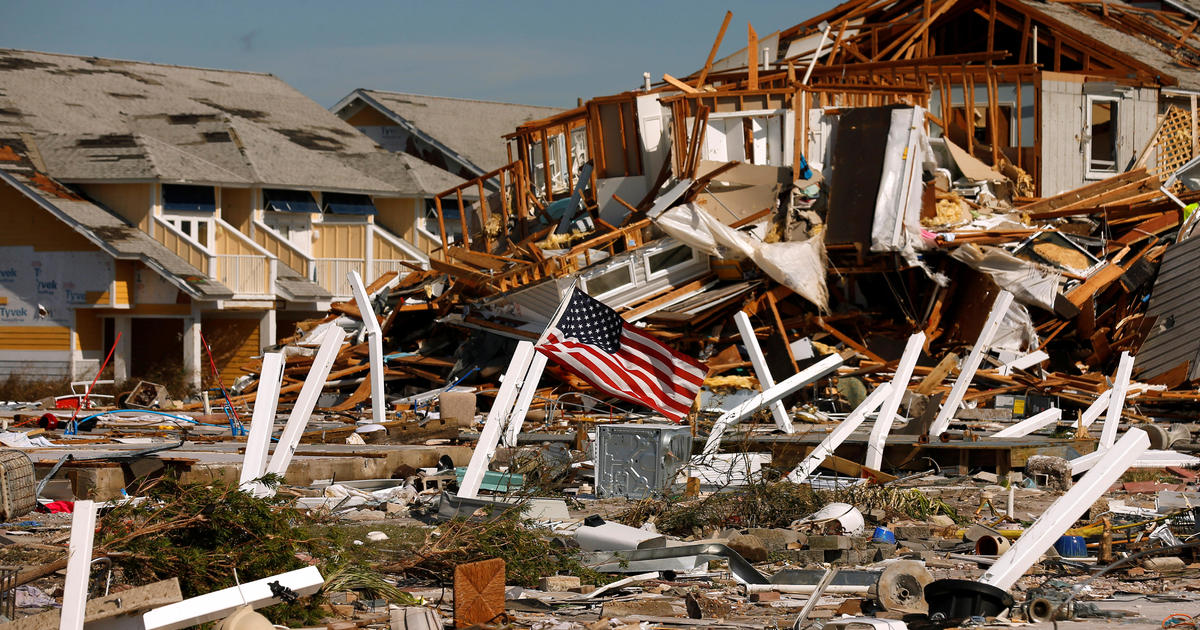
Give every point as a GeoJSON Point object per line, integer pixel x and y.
{"type": "Point", "coordinates": [331, 274]}
{"type": "Point", "coordinates": [245, 274]}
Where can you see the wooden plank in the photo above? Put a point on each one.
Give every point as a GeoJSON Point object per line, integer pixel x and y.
{"type": "Point", "coordinates": [478, 592]}
{"type": "Point", "coordinates": [1084, 192]}
{"type": "Point", "coordinates": [1095, 283]}
{"type": "Point", "coordinates": [937, 374]}
{"type": "Point", "coordinates": [683, 87]}
{"type": "Point", "coordinates": [751, 57]}
{"type": "Point", "coordinates": [669, 296]}
{"type": "Point", "coordinates": [712, 54]}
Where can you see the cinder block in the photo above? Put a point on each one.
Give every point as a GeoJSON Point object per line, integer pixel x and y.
{"type": "Point", "coordinates": [830, 542]}
{"type": "Point", "coordinates": [558, 583]}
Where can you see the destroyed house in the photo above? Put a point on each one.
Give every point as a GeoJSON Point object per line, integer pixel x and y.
{"type": "Point", "coordinates": [167, 203]}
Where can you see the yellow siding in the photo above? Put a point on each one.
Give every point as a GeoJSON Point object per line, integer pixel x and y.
{"type": "Point", "coordinates": [131, 201]}
{"type": "Point", "coordinates": [35, 338]}
{"type": "Point", "coordinates": [182, 247]}
{"type": "Point", "coordinates": [283, 250]}
{"type": "Point", "coordinates": [236, 207]}
{"type": "Point", "coordinates": [228, 243]}
{"type": "Point", "coordinates": [89, 330]}
{"type": "Point", "coordinates": [340, 240]}
{"type": "Point", "coordinates": [123, 283]}
{"type": "Point", "coordinates": [386, 251]}
{"type": "Point", "coordinates": [234, 342]}
{"type": "Point", "coordinates": [397, 216]}
{"type": "Point", "coordinates": [23, 222]}
{"type": "Point", "coordinates": [370, 117]}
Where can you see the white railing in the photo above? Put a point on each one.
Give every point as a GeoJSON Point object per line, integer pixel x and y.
{"type": "Point", "coordinates": [380, 267]}
{"type": "Point", "coordinates": [246, 274]}
{"type": "Point", "coordinates": [331, 274]}
{"type": "Point", "coordinates": [417, 255]}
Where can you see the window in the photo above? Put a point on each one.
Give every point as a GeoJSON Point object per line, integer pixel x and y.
{"type": "Point", "coordinates": [661, 262]}
{"type": "Point", "coordinates": [196, 226]}
{"type": "Point", "coordinates": [1101, 112]}
{"type": "Point", "coordinates": [618, 277]}
{"type": "Point", "coordinates": [348, 203]}
{"type": "Point", "coordinates": [759, 134]}
{"type": "Point", "coordinates": [290, 201]}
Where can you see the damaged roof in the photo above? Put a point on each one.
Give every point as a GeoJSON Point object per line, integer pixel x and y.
{"type": "Point", "coordinates": [473, 129]}
{"type": "Point", "coordinates": [108, 231]}
{"type": "Point", "coordinates": [107, 119]}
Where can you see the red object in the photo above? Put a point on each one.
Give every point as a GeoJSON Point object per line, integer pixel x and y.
{"type": "Point", "coordinates": [88, 393]}
{"type": "Point", "coordinates": [56, 507]}
{"type": "Point", "coordinates": [591, 341]}
{"type": "Point", "coordinates": [67, 402]}
{"type": "Point", "coordinates": [48, 421]}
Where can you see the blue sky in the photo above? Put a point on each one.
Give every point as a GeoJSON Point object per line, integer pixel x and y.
{"type": "Point", "coordinates": [527, 51]}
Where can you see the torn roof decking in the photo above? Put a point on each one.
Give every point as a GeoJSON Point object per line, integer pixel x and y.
{"type": "Point", "coordinates": [112, 120]}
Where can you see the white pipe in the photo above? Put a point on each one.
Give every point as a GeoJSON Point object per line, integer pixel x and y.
{"type": "Point", "coordinates": [967, 374]}
{"type": "Point", "coordinates": [816, 54]}
{"type": "Point", "coordinates": [759, 362]}
{"type": "Point", "coordinates": [79, 565]}
{"type": "Point", "coordinates": [262, 422]}
{"type": "Point", "coordinates": [528, 387]}
{"type": "Point", "coordinates": [1116, 401]}
{"type": "Point", "coordinates": [839, 434]}
{"type": "Point", "coordinates": [374, 345]}
{"type": "Point", "coordinates": [1029, 425]}
{"type": "Point", "coordinates": [501, 407]}
{"type": "Point", "coordinates": [805, 589]}
{"type": "Point", "coordinates": [887, 413]}
{"type": "Point", "coordinates": [1061, 514]}
{"type": "Point", "coordinates": [331, 342]}
{"type": "Point", "coordinates": [219, 604]}
{"type": "Point", "coordinates": [762, 399]}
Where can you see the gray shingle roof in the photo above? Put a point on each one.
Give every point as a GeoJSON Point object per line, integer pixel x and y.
{"type": "Point", "coordinates": [472, 128]}
{"type": "Point", "coordinates": [111, 119]}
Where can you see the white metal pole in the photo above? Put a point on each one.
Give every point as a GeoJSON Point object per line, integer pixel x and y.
{"type": "Point", "coordinates": [1093, 411]}
{"type": "Point", "coordinates": [374, 345]}
{"type": "Point", "coordinates": [79, 566]}
{"type": "Point", "coordinates": [762, 399]}
{"type": "Point", "coordinates": [887, 413]}
{"type": "Point", "coordinates": [331, 342]}
{"type": "Point", "coordinates": [1061, 514]}
{"type": "Point", "coordinates": [501, 408]}
{"type": "Point", "coordinates": [840, 433]}
{"type": "Point", "coordinates": [816, 53]}
{"type": "Point", "coordinates": [1031, 424]}
{"type": "Point", "coordinates": [759, 363]}
{"type": "Point", "coordinates": [1116, 400]}
{"type": "Point", "coordinates": [262, 422]}
{"type": "Point", "coordinates": [967, 374]}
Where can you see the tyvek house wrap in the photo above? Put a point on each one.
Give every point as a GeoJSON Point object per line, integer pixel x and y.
{"type": "Point", "coordinates": [897, 223]}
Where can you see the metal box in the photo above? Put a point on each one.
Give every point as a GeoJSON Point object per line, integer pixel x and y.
{"type": "Point", "coordinates": [639, 460]}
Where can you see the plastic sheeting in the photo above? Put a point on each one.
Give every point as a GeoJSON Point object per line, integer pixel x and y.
{"type": "Point", "coordinates": [897, 223]}
{"type": "Point", "coordinates": [1029, 283]}
{"type": "Point", "coordinates": [797, 265]}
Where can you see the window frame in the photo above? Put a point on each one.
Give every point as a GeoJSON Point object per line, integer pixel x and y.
{"type": "Point", "coordinates": [1089, 170]}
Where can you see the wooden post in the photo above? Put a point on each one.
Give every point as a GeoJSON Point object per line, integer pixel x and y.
{"type": "Point", "coordinates": [712, 54]}
{"type": "Point", "coordinates": [437, 202]}
{"type": "Point", "coordinates": [462, 219]}
{"type": "Point", "coordinates": [751, 57]}
{"type": "Point", "coordinates": [483, 216]}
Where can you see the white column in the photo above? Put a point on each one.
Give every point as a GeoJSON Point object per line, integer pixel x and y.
{"type": "Point", "coordinates": [266, 330]}
{"type": "Point", "coordinates": [528, 386]}
{"type": "Point", "coordinates": [1031, 424]}
{"type": "Point", "coordinates": [1061, 514]}
{"type": "Point", "coordinates": [762, 399]}
{"type": "Point", "coordinates": [840, 433]}
{"type": "Point", "coordinates": [1116, 401]}
{"type": "Point", "coordinates": [331, 342]}
{"type": "Point", "coordinates": [192, 350]}
{"type": "Point", "coordinates": [759, 362]}
{"type": "Point", "coordinates": [887, 413]}
{"type": "Point", "coordinates": [374, 345]}
{"type": "Point", "coordinates": [123, 356]}
{"type": "Point", "coordinates": [967, 373]}
{"type": "Point", "coordinates": [262, 422]}
{"type": "Point", "coordinates": [79, 565]}
{"type": "Point", "coordinates": [501, 408]}
{"type": "Point", "coordinates": [1090, 414]}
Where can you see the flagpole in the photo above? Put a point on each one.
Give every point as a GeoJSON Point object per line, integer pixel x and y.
{"type": "Point", "coordinates": [558, 312]}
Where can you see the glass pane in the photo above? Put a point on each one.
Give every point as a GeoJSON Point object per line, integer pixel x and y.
{"type": "Point", "coordinates": [609, 280]}
{"type": "Point", "coordinates": [669, 258]}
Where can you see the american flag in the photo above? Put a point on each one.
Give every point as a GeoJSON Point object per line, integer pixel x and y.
{"type": "Point", "coordinates": [591, 341]}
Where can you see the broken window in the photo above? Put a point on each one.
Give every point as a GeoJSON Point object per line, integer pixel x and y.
{"type": "Point", "coordinates": [756, 137]}
{"type": "Point", "coordinates": [1101, 149]}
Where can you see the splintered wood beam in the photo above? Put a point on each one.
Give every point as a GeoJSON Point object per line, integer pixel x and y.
{"type": "Point", "coordinates": [680, 85]}
{"type": "Point", "coordinates": [902, 43]}
{"type": "Point", "coordinates": [712, 54]}
{"type": "Point", "coordinates": [751, 57]}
